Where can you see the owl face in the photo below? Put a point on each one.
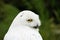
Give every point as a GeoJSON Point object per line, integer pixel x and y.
{"type": "Point", "coordinates": [28, 18]}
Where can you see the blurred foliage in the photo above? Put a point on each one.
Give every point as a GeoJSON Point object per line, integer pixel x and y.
{"type": "Point", "coordinates": [6, 17]}
{"type": "Point", "coordinates": [48, 10]}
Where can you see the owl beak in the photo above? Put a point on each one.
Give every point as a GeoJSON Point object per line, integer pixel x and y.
{"type": "Point", "coordinates": [36, 27]}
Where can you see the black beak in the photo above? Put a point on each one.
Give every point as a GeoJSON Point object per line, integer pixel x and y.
{"type": "Point", "coordinates": [36, 27]}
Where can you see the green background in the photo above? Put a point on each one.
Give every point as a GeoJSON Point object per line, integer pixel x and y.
{"type": "Point", "coordinates": [48, 10]}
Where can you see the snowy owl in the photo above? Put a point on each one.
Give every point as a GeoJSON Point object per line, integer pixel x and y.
{"type": "Point", "coordinates": [24, 27]}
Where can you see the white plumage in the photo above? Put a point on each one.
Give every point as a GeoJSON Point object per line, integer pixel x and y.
{"type": "Point", "coordinates": [24, 27]}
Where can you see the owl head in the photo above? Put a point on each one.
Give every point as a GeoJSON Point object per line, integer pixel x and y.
{"type": "Point", "coordinates": [27, 18]}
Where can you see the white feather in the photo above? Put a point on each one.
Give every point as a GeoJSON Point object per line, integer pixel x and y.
{"type": "Point", "coordinates": [20, 29]}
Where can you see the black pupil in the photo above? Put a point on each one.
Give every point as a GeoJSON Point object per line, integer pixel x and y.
{"type": "Point", "coordinates": [30, 20]}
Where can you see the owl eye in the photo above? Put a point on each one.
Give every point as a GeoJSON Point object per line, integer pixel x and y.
{"type": "Point", "coordinates": [29, 20]}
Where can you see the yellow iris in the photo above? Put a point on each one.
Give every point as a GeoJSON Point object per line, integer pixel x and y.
{"type": "Point", "coordinates": [29, 20]}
